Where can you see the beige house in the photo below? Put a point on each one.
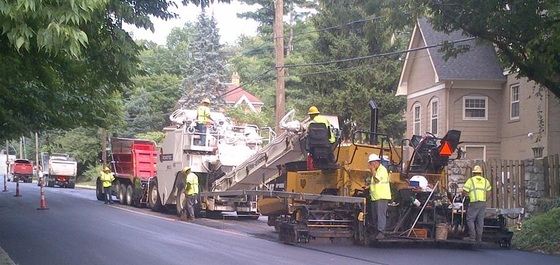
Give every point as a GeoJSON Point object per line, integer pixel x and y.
{"type": "Point", "coordinates": [499, 116]}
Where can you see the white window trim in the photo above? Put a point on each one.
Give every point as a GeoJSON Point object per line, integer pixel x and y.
{"type": "Point", "coordinates": [414, 106]}
{"type": "Point", "coordinates": [485, 118]}
{"type": "Point", "coordinates": [511, 101]}
{"type": "Point", "coordinates": [432, 115]}
{"type": "Point", "coordinates": [476, 146]}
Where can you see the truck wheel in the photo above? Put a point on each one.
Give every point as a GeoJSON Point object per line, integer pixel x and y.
{"type": "Point", "coordinates": [99, 190]}
{"type": "Point", "coordinates": [122, 193]}
{"type": "Point", "coordinates": [154, 202]}
{"type": "Point", "coordinates": [180, 200]}
{"type": "Point", "coordinates": [50, 184]}
{"type": "Point", "coordinates": [71, 185]}
{"type": "Point", "coordinates": [129, 195]}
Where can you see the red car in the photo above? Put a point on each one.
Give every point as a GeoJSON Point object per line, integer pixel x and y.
{"type": "Point", "coordinates": [23, 170]}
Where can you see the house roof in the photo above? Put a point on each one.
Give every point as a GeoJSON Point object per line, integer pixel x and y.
{"type": "Point", "coordinates": [235, 94]}
{"type": "Point", "coordinates": [479, 63]}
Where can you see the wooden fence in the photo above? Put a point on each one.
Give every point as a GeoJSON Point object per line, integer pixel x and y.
{"type": "Point", "coordinates": [552, 175]}
{"type": "Point", "coordinates": [508, 183]}
{"type": "Point", "coordinates": [508, 178]}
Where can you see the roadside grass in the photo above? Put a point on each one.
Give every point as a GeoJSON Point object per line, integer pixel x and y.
{"type": "Point", "coordinates": [541, 232]}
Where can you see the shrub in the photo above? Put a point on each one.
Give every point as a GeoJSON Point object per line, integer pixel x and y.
{"type": "Point", "coordinates": [540, 233]}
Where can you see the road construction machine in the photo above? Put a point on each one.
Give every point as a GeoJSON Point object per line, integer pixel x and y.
{"type": "Point", "coordinates": [320, 193]}
{"type": "Point", "coordinates": [150, 175]}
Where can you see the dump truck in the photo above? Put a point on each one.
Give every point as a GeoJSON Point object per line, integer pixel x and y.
{"type": "Point", "coordinates": [22, 170]}
{"type": "Point", "coordinates": [133, 163]}
{"type": "Point", "coordinates": [321, 195]}
{"type": "Point", "coordinates": [58, 169]}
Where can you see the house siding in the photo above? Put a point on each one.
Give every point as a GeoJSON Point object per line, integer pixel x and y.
{"type": "Point", "coordinates": [422, 73]}
{"type": "Point", "coordinates": [553, 114]}
{"type": "Point", "coordinates": [477, 132]}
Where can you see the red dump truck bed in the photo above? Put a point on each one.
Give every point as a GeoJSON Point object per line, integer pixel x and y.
{"type": "Point", "coordinates": [133, 158]}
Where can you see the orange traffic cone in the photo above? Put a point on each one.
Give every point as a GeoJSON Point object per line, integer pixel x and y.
{"type": "Point", "coordinates": [43, 201]}
{"type": "Point", "coordinates": [17, 188]}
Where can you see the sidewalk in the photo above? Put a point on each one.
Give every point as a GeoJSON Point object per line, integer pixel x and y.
{"type": "Point", "coordinates": [5, 259]}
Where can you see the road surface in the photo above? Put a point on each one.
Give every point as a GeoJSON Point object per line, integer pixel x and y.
{"type": "Point", "coordinates": [78, 229]}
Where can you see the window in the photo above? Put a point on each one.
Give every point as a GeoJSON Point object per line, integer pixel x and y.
{"type": "Point", "coordinates": [514, 104]}
{"type": "Point", "coordinates": [475, 152]}
{"type": "Point", "coordinates": [434, 117]}
{"type": "Point", "coordinates": [475, 108]}
{"type": "Point", "coordinates": [417, 116]}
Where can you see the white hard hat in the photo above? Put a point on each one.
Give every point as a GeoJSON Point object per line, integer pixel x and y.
{"type": "Point", "coordinates": [373, 157]}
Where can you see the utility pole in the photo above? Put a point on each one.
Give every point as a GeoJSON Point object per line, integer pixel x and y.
{"type": "Point", "coordinates": [37, 153]}
{"type": "Point", "coordinates": [104, 146]}
{"type": "Point", "coordinates": [279, 44]}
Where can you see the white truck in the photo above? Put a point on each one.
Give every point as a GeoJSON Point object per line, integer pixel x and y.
{"type": "Point", "coordinates": [5, 161]}
{"type": "Point", "coordinates": [59, 169]}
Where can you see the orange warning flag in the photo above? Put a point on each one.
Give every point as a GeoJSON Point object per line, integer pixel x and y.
{"type": "Point", "coordinates": [445, 149]}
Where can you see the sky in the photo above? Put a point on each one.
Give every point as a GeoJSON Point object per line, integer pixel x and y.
{"type": "Point", "coordinates": [229, 25]}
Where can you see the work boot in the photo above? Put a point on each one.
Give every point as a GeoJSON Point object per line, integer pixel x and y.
{"type": "Point", "coordinates": [469, 239]}
{"type": "Point", "coordinates": [379, 236]}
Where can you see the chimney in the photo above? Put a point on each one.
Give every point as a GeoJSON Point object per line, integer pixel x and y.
{"type": "Point", "coordinates": [235, 78]}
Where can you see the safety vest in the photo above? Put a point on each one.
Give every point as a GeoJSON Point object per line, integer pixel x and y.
{"type": "Point", "coordinates": [321, 119]}
{"type": "Point", "coordinates": [203, 115]}
{"type": "Point", "coordinates": [477, 186]}
{"type": "Point", "coordinates": [107, 179]}
{"type": "Point", "coordinates": [192, 178]}
{"type": "Point", "coordinates": [380, 190]}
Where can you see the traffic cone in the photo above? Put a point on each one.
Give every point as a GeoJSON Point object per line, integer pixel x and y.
{"type": "Point", "coordinates": [17, 188]}
{"type": "Point", "coordinates": [43, 201]}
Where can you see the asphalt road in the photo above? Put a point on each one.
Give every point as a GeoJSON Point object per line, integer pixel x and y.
{"type": "Point", "coordinates": [78, 229]}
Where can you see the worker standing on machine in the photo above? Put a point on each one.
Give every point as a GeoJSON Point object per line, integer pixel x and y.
{"type": "Point", "coordinates": [380, 194]}
{"type": "Point", "coordinates": [203, 119]}
{"type": "Point", "coordinates": [478, 189]}
{"type": "Point", "coordinates": [191, 190]}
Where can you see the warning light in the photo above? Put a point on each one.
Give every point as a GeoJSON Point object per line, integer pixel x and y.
{"type": "Point", "coordinates": [445, 149]}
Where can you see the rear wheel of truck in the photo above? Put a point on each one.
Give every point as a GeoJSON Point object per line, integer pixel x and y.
{"type": "Point", "coordinates": [99, 190]}
{"type": "Point", "coordinates": [122, 193]}
{"type": "Point", "coordinates": [180, 200]}
{"type": "Point", "coordinates": [154, 202]}
{"type": "Point", "coordinates": [129, 194]}
{"type": "Point", "coordinates": [71, 185]}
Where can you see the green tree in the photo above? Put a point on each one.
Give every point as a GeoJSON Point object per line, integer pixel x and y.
{"type": "Point", "coordinates": [206, 71]}
{"type": "Point", "coordinates": [525, 33]}
{"type": "Point", "coordinates": [63, 62]}
{"type": "Point", "coordinates": [342, 83]}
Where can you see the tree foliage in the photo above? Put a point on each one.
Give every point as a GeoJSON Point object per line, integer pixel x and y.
{"type": "Point", "coordinates": [62, 63]}
{"type": "Point", "coordinates": [342, 83]}
{"type": "Point", "coordinates": [205, 72]}
{"type": "Point", "coordinates": [525, 33]}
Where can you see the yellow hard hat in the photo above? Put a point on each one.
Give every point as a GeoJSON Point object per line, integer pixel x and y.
{"type": "Point", "coordinates": [206, 100]}
{"type": "Point", "coordinates": [186, 169]}
{"type": "Point", "coordinates": [477, 169]}
{"type": "Point", "coordinates": [107, 169]}
{"type": "Point", "coordinates": [313, 110]}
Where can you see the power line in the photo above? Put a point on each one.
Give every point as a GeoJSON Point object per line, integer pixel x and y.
{"type": "Point", "coordinates": [377, 55]}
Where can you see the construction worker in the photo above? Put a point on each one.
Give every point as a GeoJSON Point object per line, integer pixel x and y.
{"type": "Point", "coordinates": [107, 179]}
{"type": "Point", "coordinates": [316, 118]}
{"type": "Point", "coordinates": [203, 119]}
{"type": "Point", "coordinates": [478, 188]}
{"type": "Point", "coordinates": [380, 194]}
{"type": "Point", "coordinates": [191, 191]}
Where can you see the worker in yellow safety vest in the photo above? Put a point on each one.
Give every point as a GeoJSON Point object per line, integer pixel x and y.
{"type": "Point", "coordinates": [380, 194]}
{"type": "Point", "coordinates": [203, 119]}
{"type": "Point", "coordinates": [316, 118]}
{"type": "Point", "coordinates": [107, 179]}
{"type": "Point", "coordinates": [191, 191]}
{"type": "Point", "coordinates": [478, 189]}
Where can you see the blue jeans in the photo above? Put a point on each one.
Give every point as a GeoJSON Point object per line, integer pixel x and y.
{"type": "Point", "coordinates": [108, 193]}
{"type": "Point", "coordinates": [202, 130]}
